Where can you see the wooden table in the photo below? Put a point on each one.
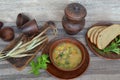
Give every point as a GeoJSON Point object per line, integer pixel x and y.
{"type": "Point", "coordinates": [44, 10]}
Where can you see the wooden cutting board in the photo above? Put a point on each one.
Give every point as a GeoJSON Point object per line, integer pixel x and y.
{"type": "Point", "coordinates": [21, 63]}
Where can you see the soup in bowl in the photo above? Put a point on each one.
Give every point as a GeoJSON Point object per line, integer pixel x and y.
{"type": "Point", "coordinates": [66, 54]}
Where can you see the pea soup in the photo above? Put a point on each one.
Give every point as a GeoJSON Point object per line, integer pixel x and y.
{"type": "Point", "coordinates": [67, 56]}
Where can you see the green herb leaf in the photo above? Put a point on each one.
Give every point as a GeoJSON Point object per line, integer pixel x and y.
{"type": "Point", "coordinates": [44, 66]}
{"type": "Point", "coordinates": [116, 50]}
{"type": "Point", "coordinates": [114, 46]}
{"type": "Point", "coordinates": [40, 63]}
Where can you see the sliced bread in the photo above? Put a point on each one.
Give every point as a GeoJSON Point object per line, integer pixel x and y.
{"type": "Point", "coordinates": [107, 35]}
{"type": "Point", "coordinates": [90, 31]}
{"type": "Point", "coordinates": [92, 34]}
{"type": "Point", "coordinates": [97, 32]}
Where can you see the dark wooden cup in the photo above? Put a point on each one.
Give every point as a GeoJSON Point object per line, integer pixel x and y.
{"type": "Point", "coordinates": [21, 20]}
{"type": "Point", "coordinates": [30, 28]}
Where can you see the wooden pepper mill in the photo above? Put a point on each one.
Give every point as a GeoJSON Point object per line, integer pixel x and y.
{"type": "Point", "coordinates": [73, 21]}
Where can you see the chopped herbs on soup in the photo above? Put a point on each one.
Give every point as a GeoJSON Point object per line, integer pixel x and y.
{"type": "Point", "coordinates": [67, 56]}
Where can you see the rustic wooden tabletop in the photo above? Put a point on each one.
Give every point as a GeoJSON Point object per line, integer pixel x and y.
{"type": "Point", "coordinates": [44, 10]}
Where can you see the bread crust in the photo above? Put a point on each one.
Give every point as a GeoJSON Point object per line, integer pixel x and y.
{"type": "Point", "coordinates": [97, 32]}
{"type": "Point", "coordinates": [90, 31]}
{"type": "Point", "coordinates": [107, 35]}
{"type": "Point", "coordinates": [92, 34]}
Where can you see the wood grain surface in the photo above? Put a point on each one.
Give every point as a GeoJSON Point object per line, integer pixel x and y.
{"type": "Point", "coordinates": [44, 10]}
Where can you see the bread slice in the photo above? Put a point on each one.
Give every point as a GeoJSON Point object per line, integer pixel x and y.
{"type": "Point", "coordinates": [97, 32]}
{"type": "Point", "coordinates": [107, 35]}
{"type": "Point", "coordinates": [92, 34]}
{"type": "Point", "coordinates": [90, 31]}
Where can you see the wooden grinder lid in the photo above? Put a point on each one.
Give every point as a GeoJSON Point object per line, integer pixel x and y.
{"type": "Point", "coordinates": [75, 11]}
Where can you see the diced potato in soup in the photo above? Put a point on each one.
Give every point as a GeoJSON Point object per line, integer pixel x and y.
{"type": "Point", "coordinates": [67, 56]}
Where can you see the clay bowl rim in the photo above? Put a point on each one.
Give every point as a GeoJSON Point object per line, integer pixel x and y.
{"type": "Point", "coordinates": [71, 40]}
{"type": "Point", "coordinates": [101, 23]}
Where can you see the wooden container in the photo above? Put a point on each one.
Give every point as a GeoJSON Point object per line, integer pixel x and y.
{"type": "Point", "coordinates": [62, 74]}
{"type": "Point", "coordinates": [30, 28]}
{"type": "Point", "coordinates": [21, 20]}
{"type": "Point", "coordinates": [67, 40]}
{"type": "Point", "coordinates": [73, 21]}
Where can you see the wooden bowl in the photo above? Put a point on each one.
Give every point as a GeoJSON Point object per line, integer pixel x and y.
{"type": "Point", "coordinates": [68, 40]}
{"type": "Point", "coordinates": [7, 34]}
{"type": "Point", "coordinates": [62, 74]}
{"type": "Point", "coordinates": [98, 52]}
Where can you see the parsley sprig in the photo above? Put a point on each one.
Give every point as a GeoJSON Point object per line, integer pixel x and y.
{"type": "Point", "coordinates": [114, 46]}
{"type": "Point", "coordinates": [40, 63]}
